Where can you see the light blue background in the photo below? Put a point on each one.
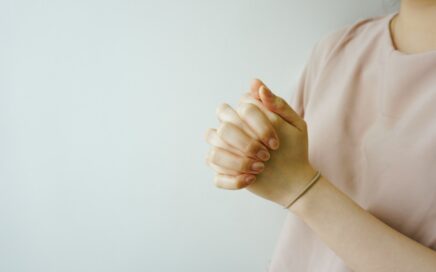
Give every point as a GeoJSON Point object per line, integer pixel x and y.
{"type": "Point", "coordinates": [103, 109]}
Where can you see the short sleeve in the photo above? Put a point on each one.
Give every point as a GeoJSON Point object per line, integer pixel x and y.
{"type": "Point", "coordinates": [297, 96]}
{"type": "Point", "coordinates": [299, 91]}
{"type": "Point", "coordinates": [318, 56]}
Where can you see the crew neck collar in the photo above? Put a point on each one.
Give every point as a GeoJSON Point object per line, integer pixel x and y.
{"type": "Point", "coordinates": [392, 50]}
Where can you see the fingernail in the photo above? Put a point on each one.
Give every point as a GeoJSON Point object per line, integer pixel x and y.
{"type": "Point", "coordinates": [273, 143]}
{"type": "Point", "coordinates": [263, 155]}
{"type": "Point", "coordinates": [249, 179]}
{"type": "Point", "coordinates": [257, 166]}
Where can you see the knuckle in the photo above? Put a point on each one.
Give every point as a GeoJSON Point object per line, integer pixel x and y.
{"type": "Point", "coordinates": [223, 127]}
{"type": "Point", "coordinates": [275, 120]}
{"type": "Point", "coordinates": [208, 134]}
{"type": "Point", "coordinates": [221, 108]}
{"type": "Point", "coordinates": [266, 135]}
{"type": "Point", "coordinates": [280, 103]}
{"type": "Point", "coordinates": [251, 147]}
{"type": "Point", "coordinates": [243, 98]}
{"type": "Point", "coordinates": [247, 98]}
{"type": "Point", "coordinates": [246, 108]}
{"type": "Point", "coordinates": [212, 154]}
{"type": "Point", "coordinates": [246, 164]}
{"type": "Point", "coordinates": [239, 184]}
{"type": "Point", "coordinates": [216, 182]}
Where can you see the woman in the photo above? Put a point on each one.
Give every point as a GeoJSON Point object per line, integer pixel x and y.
{"type": "Point", "coordinates": [365, 105]}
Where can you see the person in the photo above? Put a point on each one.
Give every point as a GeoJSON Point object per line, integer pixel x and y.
{"type": "Point", "coordinates": [362, 117]}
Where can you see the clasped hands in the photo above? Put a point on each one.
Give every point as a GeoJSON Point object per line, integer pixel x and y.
{"type": "Point", "coordinates": [261, 146]}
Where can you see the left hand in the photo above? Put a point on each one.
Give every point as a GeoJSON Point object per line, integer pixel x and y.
{"type": "Point", "coordinates": [261, 116]}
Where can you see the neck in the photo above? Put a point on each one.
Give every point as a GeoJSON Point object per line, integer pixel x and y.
{"type": "Point", "coordinates": [413, 29]}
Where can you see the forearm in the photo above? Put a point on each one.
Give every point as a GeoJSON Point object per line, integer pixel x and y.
{"type": "Point", "coordinates": [361, 240]}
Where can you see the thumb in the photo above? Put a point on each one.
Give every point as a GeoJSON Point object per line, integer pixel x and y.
{"type": "Point", "coordinates": [254, 87]}
{"type": "Point", "coordinates": [281, 107]}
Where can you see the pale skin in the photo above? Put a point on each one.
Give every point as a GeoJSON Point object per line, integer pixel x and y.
{"type": "Point", "coordinates": [413, 29]}
{"type": "Point", "coordinates": [246, 137]}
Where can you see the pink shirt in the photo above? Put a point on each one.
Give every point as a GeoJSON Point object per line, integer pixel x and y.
{"type": "Point", "coordinates": [371, 115]}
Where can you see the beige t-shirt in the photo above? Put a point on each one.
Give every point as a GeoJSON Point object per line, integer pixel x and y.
{"type": "Point", "coordinates": [371, 115]}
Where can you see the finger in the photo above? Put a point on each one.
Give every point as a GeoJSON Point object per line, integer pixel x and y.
{"type": "Point", "coordinates": [220, 170]}
{"type": "Point", "coordinates": [236, 137]}
{"type": "Point", "coordinates": [226, 113]}
{"type": "Point", "coordinates": [233, 182]}
{"type": "Point", "coordinates": [212, 138]}
{"type": "Point", "coordinates": [272, 116]}
{"type": "Point", "coordinates": [229, 160]}
{"type": "Point", "coordinates": [254, 88]}
{"type": "Point", "coordinates": [280, 106]}
{"type": "Point", "coordinates": [255, 118]}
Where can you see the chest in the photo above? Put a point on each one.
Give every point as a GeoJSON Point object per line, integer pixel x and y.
{"type": "Point", "coordinates": [377, 142]}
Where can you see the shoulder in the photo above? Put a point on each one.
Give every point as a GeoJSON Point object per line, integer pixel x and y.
{"type": "Point", "coordinates": [334, 47]}
{"type": "Point", "coordinates": [359, 32]}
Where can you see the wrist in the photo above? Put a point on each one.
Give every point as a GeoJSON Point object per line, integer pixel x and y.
{"type": "Point", "coordinates": [297, 183]}
{"type": "Point", "coordinates": [308, 201]}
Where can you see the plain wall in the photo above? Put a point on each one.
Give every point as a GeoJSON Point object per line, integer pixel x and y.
{"type": "Point", "coordinates": [103, 109]}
